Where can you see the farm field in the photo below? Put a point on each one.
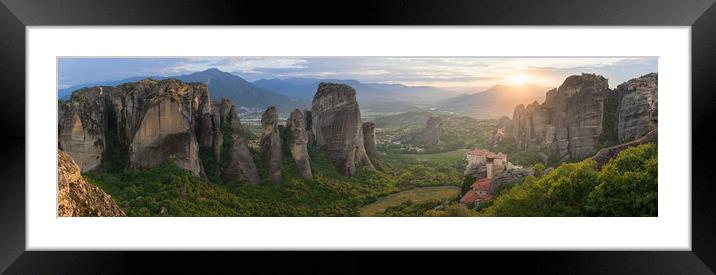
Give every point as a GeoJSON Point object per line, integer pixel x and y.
{"type": "Point", "coordinates": [417, 195]}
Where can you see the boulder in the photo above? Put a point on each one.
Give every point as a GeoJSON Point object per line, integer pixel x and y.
{"type": "Point", "coordinates": [270, 145]}
{"type": "Point", "coordinates": [297, 143]}
{"type": "Point", "coordinates": [337, 125]}
{"type": "Point", "coordinates": [78, 198]}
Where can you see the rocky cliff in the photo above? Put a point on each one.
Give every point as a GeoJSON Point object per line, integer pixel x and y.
{"type": "Point", "coordinates": [431, 134]}
{"type": "Point", "coordinates": [143, 123]}
{"type": "Point", "coordinates": [271, 151]}
{"type": "Point", "coordinates": [369, 141]}
{"type": "Point", "coordinates": [78, 198]}
{"type": "Point", "coordinates": [574, 122]}
{"type": "Point", "coordinates": [637, 112]}
{"type": "Point", "coordinates": [568, 124]}
{"type": "Point", "coordinates": [337, 126]}
{"type": "Point", "coordinates": [500, 133]}
{"type": "Point", "coordinates": [297, 143]}
{"type": "Point", "coordinates": [239, 163]}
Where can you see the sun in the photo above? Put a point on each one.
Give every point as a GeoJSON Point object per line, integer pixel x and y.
{"type": "Point", "coordinates": [519, 79]}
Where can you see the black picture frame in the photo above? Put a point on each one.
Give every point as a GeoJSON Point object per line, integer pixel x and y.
{"type": "Point", "coordinates": [15, 15]}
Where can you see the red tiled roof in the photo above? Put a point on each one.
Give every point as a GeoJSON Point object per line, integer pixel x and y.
{"type": "Point", "coordinates": [471, 197]}
{"type": "Point", "coordinates": [482, 184]}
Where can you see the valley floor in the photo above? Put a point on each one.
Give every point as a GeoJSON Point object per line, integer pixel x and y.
{"type": "Point", "coordinates": [417, 195]}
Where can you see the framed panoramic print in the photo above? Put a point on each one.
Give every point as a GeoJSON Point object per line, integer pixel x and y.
{"type": "Point", "coordinates": [459, 126]}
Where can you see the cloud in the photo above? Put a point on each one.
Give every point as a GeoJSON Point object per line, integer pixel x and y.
{"type": "Point", "coordinates": [435, 71]}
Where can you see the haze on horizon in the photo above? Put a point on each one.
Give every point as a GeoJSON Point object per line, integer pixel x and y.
{"type": "Point", "coordinates": [464, 74]}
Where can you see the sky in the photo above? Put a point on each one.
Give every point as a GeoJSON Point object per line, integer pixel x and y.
{"type": "Point", "coordinates": [456, 73]}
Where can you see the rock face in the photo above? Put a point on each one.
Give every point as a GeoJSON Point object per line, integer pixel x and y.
{"type": "Point", "coordinates": [297, 143]}
{"type": "Point", "coordinates": [78, 198]}
{"type": "Point", "coordinates": [271, 152]}
{"type": "Point", "coordinates": [369, 141]}
{"type": "Point", "coordinates": [239, 164]}
{"type": "Point", "coordinates": [81, 128]}
{"type": "Point", "coordinates": [637, 110]}
{"type": "Point", "coordinates": [149, 120]}
{"type": "Point", "coordinates": [573, 119]}
{"type": "Point", "coordinates": [510, 176]}
{"type": "Point", "coordinates": [431, 134]}
{"type": "Point", "coordinates": [500, 133]}
{"type": "Point", "coordinates": [337, 126]}
{"type": "Point", "coordinates": [310, 136]}
{"type": "Point", "coordinates": [568, 124]}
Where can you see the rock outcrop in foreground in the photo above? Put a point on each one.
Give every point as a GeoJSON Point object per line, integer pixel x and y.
{"type": "Point", "coordinates": [337, 126]}
{"type": "Point", "coordinates": [78, 198]}
{"type": "Point", "coordinates": [297, 143]}
{"type": "Point", "coordinates": [271, 152]}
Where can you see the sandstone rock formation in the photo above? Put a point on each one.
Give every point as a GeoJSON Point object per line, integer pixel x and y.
{"type": "Point", "coordinates": [568, 124]}
{"type": "Point", "coordinates": [239, 164]}
{"type": "Point", "coordinates": [271, 151]}
{"type": "Point", "coordinates": [512, 175]}
{"type": "Point", "coordinates": [81, 130]}
{"type": "Point", "coordinates": [431, 134]}
{"type": "Point", "coordinates": [369, 141]}
{"type": "Point", "coordinates": [310, 136]}
{"type": "Point", "coordinates": [637, 107]}
{"type": "Point", "coordinates": [337, 126]}
{"type": "Point", "coordinates": [78, 198]}
{"type": "Point", "coordinates": [149, 120]}
{"type": "Point", "coordinates": [501, 131]}
{"type": "Point", "coordinates": [297, 143]}
{"type": "Point", "coordinates": [571, 121]}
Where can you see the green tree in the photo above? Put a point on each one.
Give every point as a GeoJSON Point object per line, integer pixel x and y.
{"type": "Point", "coordinates": [627, 184]}
{"type": "Point", "coordinates": [538, 169]}
{"type": "Point", "coordinates": [561, 193]}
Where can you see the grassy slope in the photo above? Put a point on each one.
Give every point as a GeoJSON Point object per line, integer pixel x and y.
{"type": "Point", "coordinates": [417, 195]}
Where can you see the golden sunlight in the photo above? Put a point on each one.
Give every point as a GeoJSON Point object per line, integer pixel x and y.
{"type": "Point", "coordinates": [519, 79]}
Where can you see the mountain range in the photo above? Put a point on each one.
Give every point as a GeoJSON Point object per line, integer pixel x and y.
{"type": "Point", "coordinates": [221, 84]}
{"type": "Point", "coordinates": [290, 93]}
{"type": "Point", "coordinates": [497, 101]}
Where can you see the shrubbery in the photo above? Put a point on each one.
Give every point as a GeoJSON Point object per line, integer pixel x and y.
{"type": "Point", "coordinates": [626, 186]}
